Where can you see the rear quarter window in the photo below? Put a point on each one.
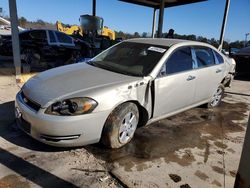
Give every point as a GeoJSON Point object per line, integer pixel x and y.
{"type": "Point", "coordinates": [52, 37]}
{"type": "Point", "coordinates": [220, 59]}
{"type": "Point", "coordinates": [63, 38]}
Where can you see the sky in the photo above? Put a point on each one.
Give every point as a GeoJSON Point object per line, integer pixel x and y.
{"type": "Point", "coordinates": [202, 19]}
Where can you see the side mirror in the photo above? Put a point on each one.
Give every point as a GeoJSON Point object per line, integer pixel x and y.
{"type": "Point", "coordinates": [163, 71]}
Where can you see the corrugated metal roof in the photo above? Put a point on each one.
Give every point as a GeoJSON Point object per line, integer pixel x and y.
{"type": "Point", "coordinates": [156, 3]}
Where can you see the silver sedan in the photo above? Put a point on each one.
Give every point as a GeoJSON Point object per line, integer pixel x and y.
{"type": "Point", "coordinates": [133, 83]}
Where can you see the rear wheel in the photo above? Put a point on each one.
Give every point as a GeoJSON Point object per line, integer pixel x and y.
{"type": "Point", "coordinates": [217, 97]}
{"type": "Point", "coordinates": [120, 126]}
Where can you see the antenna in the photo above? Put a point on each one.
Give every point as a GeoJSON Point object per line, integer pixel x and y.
{"type": "Point", "coordinates": [246, 38]}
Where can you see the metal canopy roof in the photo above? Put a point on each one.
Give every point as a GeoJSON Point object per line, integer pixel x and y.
{"type": "Point", "coordinates": [156, 3]}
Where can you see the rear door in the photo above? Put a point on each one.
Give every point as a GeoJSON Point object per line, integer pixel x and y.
{"type": "Point", "coordinates": [175, 85]}
{"type": "Point", "coordinates": [209, 73]}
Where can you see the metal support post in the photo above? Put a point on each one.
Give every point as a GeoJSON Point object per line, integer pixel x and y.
{"type": "Point", "coordinates": [242, 178]}
{"type": "Point", "coordinates": [15, 39]}
{"type": "Point", "coordinates": [153, 25]}
{"type": "Point", "coordinates": [160, 21]}
{"type": "Point", "coordinates": [224, 22]}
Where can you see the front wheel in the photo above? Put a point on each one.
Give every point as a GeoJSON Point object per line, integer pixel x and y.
{"type": "Point", "coordinates": [217, 97]}
{"type": "Point", "coordinates": [120, 126]}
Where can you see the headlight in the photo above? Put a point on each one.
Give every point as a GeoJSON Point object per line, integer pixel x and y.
{"type": "Point", "coordinates": [71, 107]}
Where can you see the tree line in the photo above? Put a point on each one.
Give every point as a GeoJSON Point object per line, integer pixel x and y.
{"type": "Point", "coordinates": [212, 41]}
{"type": "Point", "coordinates": [39, 23]}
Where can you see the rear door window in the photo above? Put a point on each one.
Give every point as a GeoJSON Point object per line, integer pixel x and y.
{"type": "Point", "coordinates": [179, 61]}
{"type": "Point", "coordinates": [204, 56]}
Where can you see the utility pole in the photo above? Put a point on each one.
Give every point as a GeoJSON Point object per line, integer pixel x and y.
{"type": "Point", "coordinates": [246, 39]}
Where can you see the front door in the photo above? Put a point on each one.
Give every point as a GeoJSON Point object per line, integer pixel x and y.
{"type": "Point", "coordinates": [175, 85]}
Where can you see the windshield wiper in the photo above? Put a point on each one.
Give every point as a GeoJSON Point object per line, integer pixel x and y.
{"type": "Point", "coordinates": [93, 63]}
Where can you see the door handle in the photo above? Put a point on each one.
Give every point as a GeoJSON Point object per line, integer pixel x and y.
{"type": "Point", "coordinates": [190, 78]}
{"type": "Point", "coordinates": [218, 70]}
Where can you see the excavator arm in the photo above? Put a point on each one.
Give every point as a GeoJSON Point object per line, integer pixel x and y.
{"type": "Point", "coordinates": [69, 29]}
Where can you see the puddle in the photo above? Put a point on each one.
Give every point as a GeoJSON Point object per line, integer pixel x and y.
{"type": "Point", "coordinates": [168, 138]}
{"type": "Point", "coordinates": [175, 177]}
{"type": "Point", "coordinates": [13, 181]}
{"type": "Point", "coordinates": [218, 169]}
{"type": "Point", "coordinates": [217, 183]}
{"type": "Point", "coordinates": [201, 175]}
{"type": "Point", "coordinates": [185, 186]}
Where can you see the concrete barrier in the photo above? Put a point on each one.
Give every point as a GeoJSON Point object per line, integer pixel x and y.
{"type": "Point", "coordinates": [243, 175]}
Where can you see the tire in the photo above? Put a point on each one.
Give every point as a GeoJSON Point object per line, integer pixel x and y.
{"type": "Point", "coordinates": [120, 126]}
{"type": "Point", "coordinates": [217, 97]}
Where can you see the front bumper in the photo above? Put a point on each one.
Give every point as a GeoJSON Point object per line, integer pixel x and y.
{"type": "Point", "coordinates": [62, 131]}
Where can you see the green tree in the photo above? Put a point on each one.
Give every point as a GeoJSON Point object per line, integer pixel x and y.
{"type": "Point", "coordinates": [214, 42]}
{"type": "Point", "coordinates": [22, 21]}
{"type": "Point", "coordinates": [237, 44]}
{"type": "Point", "coordinates": [137, 35]}
{"type": "Point", "coordinates": [41, 22]}
{"type": "Point", "coordinates": [144, 34]}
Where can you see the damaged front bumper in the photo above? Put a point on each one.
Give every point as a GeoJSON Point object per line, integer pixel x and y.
{"type": "Point", "coordinates": [61, 131]}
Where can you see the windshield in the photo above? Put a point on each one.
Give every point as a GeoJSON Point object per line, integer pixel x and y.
{"type": "Point", "coordinates": [134, 59]}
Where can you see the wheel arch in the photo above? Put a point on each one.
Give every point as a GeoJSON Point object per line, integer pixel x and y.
{"type": "Point", "coordinates": [143, 113]}
{"type": "Point", "coordinates": [226, 81]}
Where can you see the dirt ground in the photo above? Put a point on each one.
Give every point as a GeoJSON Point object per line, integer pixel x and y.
{"type": "Point", "coordinates": [197, 148]}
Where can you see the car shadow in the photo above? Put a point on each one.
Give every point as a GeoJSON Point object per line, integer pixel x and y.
{"type": "Point", "coordinates": [31, 172]}
{"type": "Point", "coordinates": [11, 133]}
{"type": "Point", "coordinates": [7, 67]}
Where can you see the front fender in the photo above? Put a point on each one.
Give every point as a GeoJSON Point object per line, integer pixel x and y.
{"type": "Point", "coordinates": [110, 98]}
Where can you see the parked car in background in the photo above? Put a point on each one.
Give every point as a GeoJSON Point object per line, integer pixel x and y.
{"type": "Point", "coordinates": [133, 83]}
{"type": "Point", "coordinates": [242, 58]}
{"type": "Point", "coordinates": [225, 52]}
{"type": "Point", "coordinates": [44, 48]}
{"type": "Point", "coordinates": [233, 50]}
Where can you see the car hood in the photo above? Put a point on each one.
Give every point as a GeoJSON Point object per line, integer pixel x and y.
{"type": "Point", "coordinates": [70, 80]}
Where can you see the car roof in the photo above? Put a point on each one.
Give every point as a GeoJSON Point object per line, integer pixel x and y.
{"type": "Point", "coordinates": [244, 51]}
{"type": "Point", "coordinates": [29, 30]}
{"type": "Point", "coordinates": [165, 41]}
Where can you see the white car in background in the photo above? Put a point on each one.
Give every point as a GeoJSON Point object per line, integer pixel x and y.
{"type": "Point", "coordinates": [133, 83]}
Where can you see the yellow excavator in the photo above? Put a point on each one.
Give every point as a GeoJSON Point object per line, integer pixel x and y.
{"type": "Point", "coordinates": [75, 29]}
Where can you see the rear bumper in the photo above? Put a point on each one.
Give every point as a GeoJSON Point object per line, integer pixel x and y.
{"type": "Point", "coordinates": [62, 131]}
